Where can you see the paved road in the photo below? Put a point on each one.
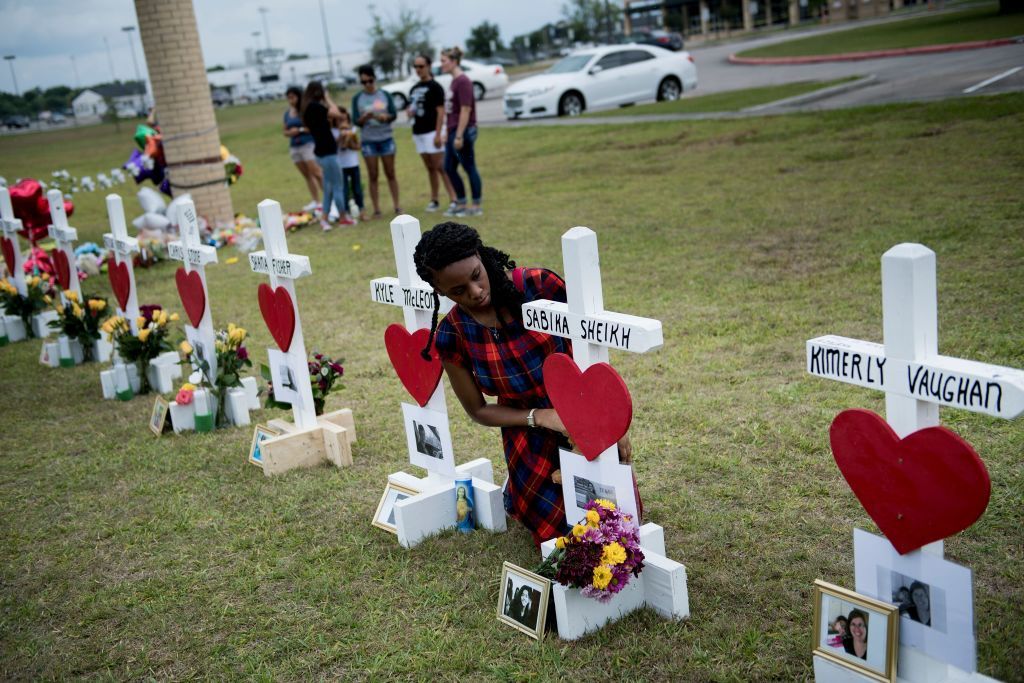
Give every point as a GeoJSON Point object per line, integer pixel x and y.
{"type": "Point", "coordinates": [897, 79]}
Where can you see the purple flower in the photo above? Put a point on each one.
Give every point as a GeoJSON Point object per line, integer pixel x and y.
{"type": "Point", "coordinates": [243, 353]}
{"type": "Point", "coordinates": [314, 368]}
{"type": "Point", "coordinates": [147, 311]}
{"type": "Point", "coordinates": [323, 385]}
{"type": "Point", "coordinates": [318, 356]}
{"type": "Point", "coordinates": [336, 367]}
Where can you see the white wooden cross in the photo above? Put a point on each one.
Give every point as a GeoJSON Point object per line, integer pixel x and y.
{"type": "Point", "coordinates": [10, 225]}
{"type": "Point", "coordinates": [65, 237]}
{"type": "Point", "coordinates": [123, 246]}
{"type": "Point", "coordinates": [195, 255]}
{"type": "Point", "coordinates": [433, 510]}
{"type": "Point", "coordinates": [283, 269]}
{"type": "Point", "coordinates": [593, 330]}
{"type": "Point", "coordinates": [915, 378]}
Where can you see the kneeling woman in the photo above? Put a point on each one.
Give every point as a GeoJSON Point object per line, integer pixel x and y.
{"type": "Point", "coordinates": [486, 349]}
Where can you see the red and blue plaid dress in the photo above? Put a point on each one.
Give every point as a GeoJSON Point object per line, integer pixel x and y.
{"type": "Point", "coordinates": [507, 362]}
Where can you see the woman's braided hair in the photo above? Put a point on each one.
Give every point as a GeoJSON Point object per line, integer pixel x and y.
{"type": "Point", "coordinates": [449, 242]}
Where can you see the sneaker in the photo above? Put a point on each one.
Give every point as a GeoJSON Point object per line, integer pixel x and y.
{"type": "Point", "coordinates": [455, 209]}
{"type": "Point", "coordinates": [346, 221]}
{"type": "Point", "coordinates": [312, 206]}
{"type": "Point", "coordinates": [432, 207]}
{"type": "Point", "coordinates": [325, 225]}
{"type": "Point", "coordinates": [473, 211]}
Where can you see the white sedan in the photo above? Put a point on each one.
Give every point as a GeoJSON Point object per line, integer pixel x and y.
{"type": "Point", "coordinates": [486, 78]}
{"type": "Point", "coordinates": [602, 77]}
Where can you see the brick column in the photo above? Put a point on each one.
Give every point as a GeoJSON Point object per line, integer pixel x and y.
{"type": "Point", "coordinates": [170, 38]}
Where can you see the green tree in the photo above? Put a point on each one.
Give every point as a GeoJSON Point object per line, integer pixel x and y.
{"type": "Point", "coordinates": [480, 38]}
{"type": "Point", "coordinates": [592, 20]}
{"type": "Point", "coordinates": [405, 33]}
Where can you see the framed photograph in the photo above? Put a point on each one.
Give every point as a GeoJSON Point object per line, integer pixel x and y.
{"type": "Point", "coordinates": [935, 597]}
{"type": "Point", "coordinates": [198, 346]}
{"type": "Point", "coordinates": [523, 600]}
{"type": "Point", "coordinates": [855, 631]}
{"type": "Point", "coordinates": [429, 439]}
{"type": "Point", "coordinates": [584, 480]}
{"type": "Point", "coordinates": [283, 377]}
{"type": "Point", "coordinates": [384, 517]}
{"type": "Point", "coordinates": [158, 418]}
{"type": "Point", "coordinates": [260, 434]}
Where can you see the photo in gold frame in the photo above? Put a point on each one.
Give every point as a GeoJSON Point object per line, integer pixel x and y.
{"type": "Point", "coordinates": [855, 631]}
{"type": "Point", "coordinates": [384, 517]}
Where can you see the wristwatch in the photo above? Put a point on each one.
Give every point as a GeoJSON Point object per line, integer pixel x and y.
{"type": "Point", "coordinates": [530, 421]}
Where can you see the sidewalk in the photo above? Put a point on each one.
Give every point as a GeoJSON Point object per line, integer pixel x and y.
{"type": "Point", "coordinates": [876, 54]}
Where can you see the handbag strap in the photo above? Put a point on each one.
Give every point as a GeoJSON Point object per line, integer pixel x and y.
{"type": "Point", "coordinates": [517, 278]}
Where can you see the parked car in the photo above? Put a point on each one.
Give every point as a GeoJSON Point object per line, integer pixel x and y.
{"type": "Point", "coordinates": [486, 78]}
{"type": "Point", "coordinates": [665, 39]}
{"type": "Point", "coordinates": [17, 121]}
{"type": "Point", "coordinates": [614, 75]}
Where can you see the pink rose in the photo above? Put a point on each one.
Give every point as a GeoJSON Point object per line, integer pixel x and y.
{"type": "Point", "coordinates": [183, 398]}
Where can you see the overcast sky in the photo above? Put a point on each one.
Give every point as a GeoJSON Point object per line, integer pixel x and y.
{"type": "Point", "coordinates": [44, 35]}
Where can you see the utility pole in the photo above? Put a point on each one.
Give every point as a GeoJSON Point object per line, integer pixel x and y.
{"type": "Point", "coordinates": [10, 61]}
{"type": "Point", "coordinates": [74, 68]}
{"type": "Point", "coordinates": [266, 31]}
{"type": "Point", "coordinates": [327, 40]}
{"type": "Point", "coordinates": [110, 60]}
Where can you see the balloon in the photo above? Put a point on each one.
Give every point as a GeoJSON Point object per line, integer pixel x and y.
{"type": "Point", "coordinates": [151, 201]}
{"type": "Point", "coordinates": [33, 208]}
{"type": "Point", "coordinates": [142, 131]}
{"type": "Point", "coordinates": [151, 221]}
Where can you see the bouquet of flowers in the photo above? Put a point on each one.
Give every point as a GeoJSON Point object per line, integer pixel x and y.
{"type": "Point", "coordinates": [599, 555]}
{"type": "Point", "coordinates": [324, 372]}
{"type": "Point", "coordinates": [39, 292]}
{"type": "Point", "coordinates": [150, 342]}
{"type": "Point", "coordinates": [232, 358]}
{"type": "Point", "coordinates": [81, 322]}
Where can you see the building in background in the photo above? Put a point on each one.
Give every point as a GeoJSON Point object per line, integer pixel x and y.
{"type": "Point", "coordinates": [128, 99]}
{"type": "Point", "coordinates": [269, 76]}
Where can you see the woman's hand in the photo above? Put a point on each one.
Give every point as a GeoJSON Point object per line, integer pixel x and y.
{"type": "Point", "coordinates": [625, 451]}
{"type": "Point", "coordinates": [437, 140]}
{"type": "Point", "coordinates": [458, 143]}
{"type": "Point", "coordinates": [548, 419]}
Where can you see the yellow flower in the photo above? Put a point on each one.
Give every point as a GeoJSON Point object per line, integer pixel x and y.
{"type": "Point", "coordinates": [219, 346]}
{"type": "Point", "coordinates": [606, 504]}
{"type": "Point", "coordinates": [578, 530]}
{"type": "Point", "coordinates": [47, 298]}
{"type": "Point", "coordinates": [71, 295]}
{"type": "Point", "coordinates": [602, 577]}
{"type": "Point", "coordinates": [76, 310]}
{"type": "Point", "coordinates": [186, 348]}
{"type": "Point", "coordinates": [560, 542]}
{"type": "Point", "coordinates": [140, 322]}
{"type": "Point", "coordinates": [613, 554]}
{"type": "Point", "coordinates": [188, 386]}
{"type": "Point", "coordinates": [144, 334]}
{"type": "Point", "coordinates": [97, 304]}
{"type": "Point", "coordinates": [231, 261]}
{"type": "Point", "coordinates": [46, 277]}
{"type": "Point", "coordinates": [356, 247]}
{"type": "Point", "coordinates": [593, 518]}
{"type": "Point", "coordinates": [33, 281]}
{"type": "Point", "coordinates": [163, 318]}
{"type": "Point", "coordinates": [175, 317]}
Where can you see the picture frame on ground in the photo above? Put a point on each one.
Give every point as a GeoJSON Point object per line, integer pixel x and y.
{"type": "Point", "coordinates": [260, 434]}
{"type": "Point", "coordinates": [429, 439]}
{"type": "Point", "coordinates": [855, 631]}
{"type": "Point", "coordinates": [158, 418]}
{"type": "Point", "coordinates": [586, 480]}
{"type": "Point", "coordinates": [384, 517]}
{"type": "Point", "coordinates": [523, 600]}
{"type": "Point", "coordinates": [282, 377]}
{"type": "Point", "coordinates": [934, 597]}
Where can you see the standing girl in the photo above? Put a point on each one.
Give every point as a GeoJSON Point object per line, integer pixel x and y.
{"type": "Point", "coordinates": [485, 348]}
{"type": "Point", "coordinates": [301, 147]}
{"type": "Point", "coordinates": [426, 108]}
{"type": "Point", "coordinates": [461, 109]}
{"type": "Point", "coordinates": [348, 157]}
{"type": "Point", "coordinates": [374, 110]}
{"type": "Point", "coordinates": [318, 113]}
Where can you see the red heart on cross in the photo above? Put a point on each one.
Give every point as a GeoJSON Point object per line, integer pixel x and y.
{"type": "Point", "coordinates": [62, 268]}
{"type": "Point", "coordinates": [192, 294]}
{"type": "Point", "coordinates": [918, 489]}
{"type": "Point", "coordinates": [120, 282]}
{"type": "Point", "coordinates": [595, 406]}
{"type": "Point", "coordinates": [8, 248]}
{"type": "Point", "coordinates": [419, 376]}
{"type": "Point", "coordinates": [278, 313]}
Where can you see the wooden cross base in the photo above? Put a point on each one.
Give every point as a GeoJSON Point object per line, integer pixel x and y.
{"type": "Point", "coordinates": [330, 441]}
{"type": "Point", "coordinates": [660, 586]}
{"type": "Point", "coordinates": [433, 509]}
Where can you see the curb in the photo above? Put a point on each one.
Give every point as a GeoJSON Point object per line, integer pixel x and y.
{"type": "Point", "coordinates": [814, 94]}
{"type": "Point", "coordinates": [875, 54]}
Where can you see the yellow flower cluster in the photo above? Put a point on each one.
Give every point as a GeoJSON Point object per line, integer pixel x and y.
{"type": "Point", "coordinates": [35, 280]}
{"type": "Point", "coordinates": [236, 335]}
{"type": "Point", "coordinates": [97, 305]}
{"type": "Point", "coordinates": [186, 348]}
{"type": "Point", "coordinates": [613, 554]}
{"type": "Point", "coordinates": [7, 288]}
{"type": "Point", "coordinates": [115, 325]}
{"type": "Point", "coordinates": [602, 577]}
{"type": "Point", "coordinates": [76, 310]}
{"type": "Point", "coordinates": [71, 295]}
{"type": "Point", "coordinates": [606, 504]}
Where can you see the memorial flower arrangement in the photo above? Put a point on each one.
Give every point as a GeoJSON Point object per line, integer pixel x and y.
{"type": "Point", "coordinates": [232, 359]}
{"type": "Point", "coordinates": [599, 555]}
{"type": "Point", "coordinates": [324, 372]}
{"type": "Point", "coordinates": [39, 295]}
{"type": "Point", "coordinates": [151, 340]}
{"type": "Point", "coordinates": [81, 322]}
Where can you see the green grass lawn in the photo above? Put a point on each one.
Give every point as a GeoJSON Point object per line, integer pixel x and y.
{"type": "Point", "coordinates": [733, 100]}
{"type": "Point", "coordinates": [980, 23]}
{"type": "Point", "coordinates": [124, 556]}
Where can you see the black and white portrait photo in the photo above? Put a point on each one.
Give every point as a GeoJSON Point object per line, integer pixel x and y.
{"type": "Point", "coordinates": [588, 490]}
{"type": "Point", "coordinates": [429, 439]}
{"type": "Point", "coordinates": [523, 602]}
